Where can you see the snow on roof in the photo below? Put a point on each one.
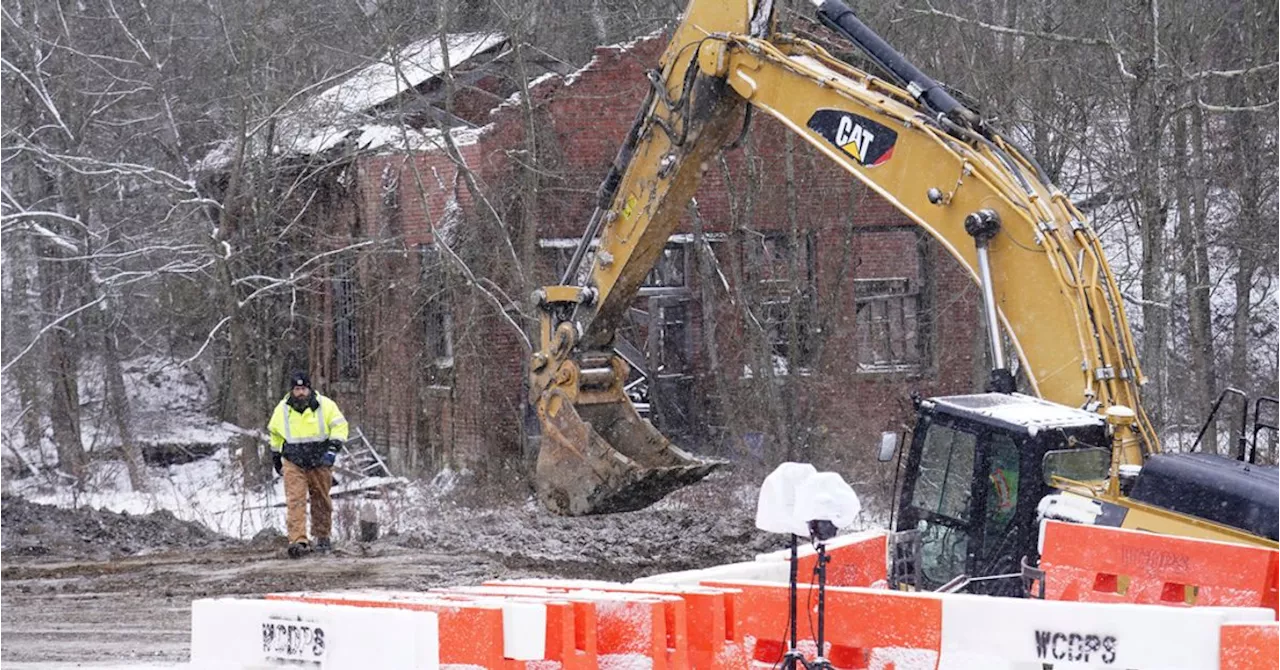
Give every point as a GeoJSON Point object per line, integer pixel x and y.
{"type": "Point", "coordinates": [1023, 410]}
{"type": "Point", "coordinates": [397, 73]}
{"type": "Point", "coordinates": [216, 158]}
{"type": "Point", "coordinates": [375, 136]}
{"type": "Point", "coordinates": [343, 111]}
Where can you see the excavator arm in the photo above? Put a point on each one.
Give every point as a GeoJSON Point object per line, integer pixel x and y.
{"type": "Point", "coordinates": [1046, 282]}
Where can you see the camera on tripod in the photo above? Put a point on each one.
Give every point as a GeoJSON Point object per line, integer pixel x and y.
{"type": "Point", "coordinates": [797, 500]}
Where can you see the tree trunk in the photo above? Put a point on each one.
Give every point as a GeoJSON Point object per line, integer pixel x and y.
{"type": "Point", "coordinates": [708, 292]}
{"type": "Point", "coordinates": [118, 403]}
{"type": "Point", "coordinates": [238, 407]}
{"type": "Point", "coordinates": [60, 280]}
{"type": "Point", "coordinates": [1195, 268]}
{"type": "Point", "coordinates": [527, 243]}
{"type": "Point", "coordinates": [1249, 243]}
{"type": "Point", "coordinates": [104, 318]}
{"type": "Point", "coordinates": [1146, 122]}
{"type": "Point", "coordinates": [18, 330]}
{"type": "Point", "coordinates": [797, 447]}
{"type": "Point", "coordinates": [64, 395]}
{"type": "Point", "coordinates": [244, 412]}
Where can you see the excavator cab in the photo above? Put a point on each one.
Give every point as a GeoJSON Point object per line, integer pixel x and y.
{"type": "Point", "coordinates": [974, 478]}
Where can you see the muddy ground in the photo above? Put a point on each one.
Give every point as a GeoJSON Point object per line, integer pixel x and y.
{"type": "Point", "coordinates": [88, 585]}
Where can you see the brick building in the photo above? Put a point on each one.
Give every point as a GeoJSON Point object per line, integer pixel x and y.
{"type": "Point", "coordinates": [792, 314]}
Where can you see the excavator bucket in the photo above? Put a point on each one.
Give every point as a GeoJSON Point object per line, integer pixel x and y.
{"type": "Point", "coordinates": [603, 458]}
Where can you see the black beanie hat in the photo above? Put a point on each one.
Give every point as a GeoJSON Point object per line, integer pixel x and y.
{"type": "Point", "coordinates": [300, 378]}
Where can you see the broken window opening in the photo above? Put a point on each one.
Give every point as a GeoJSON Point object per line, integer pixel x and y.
{"type": "Point", "coordinates": [886, 317]}
{"type": "Point", "coordinates": [391, 198]}
{"type": "Point", "coordinates": [346, 332]}
{"type": "Point", "coordinates": [671, 269]}
{"type": "Point", "coordinates": [437, 315]}
{"type": "Point", "coordinates": [784, 304]}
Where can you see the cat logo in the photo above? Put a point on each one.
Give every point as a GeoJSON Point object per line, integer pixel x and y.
{"type": "Point", "coordinates": [868, 142]}
{"type": "Point", "coordinates": [853, 138]}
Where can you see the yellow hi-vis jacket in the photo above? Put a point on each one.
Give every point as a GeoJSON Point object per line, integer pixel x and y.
{"type": "Point", "coordinates": [311, 425]}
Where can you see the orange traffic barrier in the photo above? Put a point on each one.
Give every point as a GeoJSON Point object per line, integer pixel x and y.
{"type": "Point", "coordinates": [1250, 646]}
{"type": "Point", "coordinates": [571, 630]}
{"type": "Point", "coordinates": [472, 630]}
{"type": "Point", "coordinates": [470, 633]}
{"type": "Point", "coordinates": [1102, 564]}
{"type": "Point", "coordinates": [858, 559]}
{"type": "Point", "coordinates": [714, 639]}
{"type": "Point", "coordinates": [627, 625]}
{"type": "Point", "coordinates": [863, 626]}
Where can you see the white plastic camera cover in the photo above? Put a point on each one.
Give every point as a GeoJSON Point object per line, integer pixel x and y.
{"type": "Point", "coordinates": [775, 511]}
{"type": "Point", "coordinates": [826, 496]}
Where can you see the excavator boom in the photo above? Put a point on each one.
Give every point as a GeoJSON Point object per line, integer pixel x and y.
{"type": "Point", "coordinates": [985, 201]}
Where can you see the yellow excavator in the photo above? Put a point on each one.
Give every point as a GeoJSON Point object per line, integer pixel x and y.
{"type": "Point", "coordinates": [978, 465]}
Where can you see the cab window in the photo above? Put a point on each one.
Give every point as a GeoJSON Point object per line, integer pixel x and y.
{"type": "Point", "coordinates": [1002, 480]}
{"type": "Point", "coordinates": [945, 481]}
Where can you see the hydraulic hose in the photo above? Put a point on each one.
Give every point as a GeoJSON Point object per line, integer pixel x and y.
{"type": "Point", "coordinates": [837, 16]}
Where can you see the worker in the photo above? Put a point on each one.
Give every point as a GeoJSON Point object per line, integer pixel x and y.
{"type": "Point", "coordinates": [1002, 497]}
{"type": "Point", "coordinates": [307, 430]}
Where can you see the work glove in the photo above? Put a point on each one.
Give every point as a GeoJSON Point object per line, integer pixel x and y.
{"type": "Point", "coordinates": [331, 455]}
{"type": "Point", "coordinates": [277, 462]}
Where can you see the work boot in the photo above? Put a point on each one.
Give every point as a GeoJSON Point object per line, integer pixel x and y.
{"type": "Point", "coordinates": [323, 545]}
{"type": "Point", "coordinates": [299, 549]}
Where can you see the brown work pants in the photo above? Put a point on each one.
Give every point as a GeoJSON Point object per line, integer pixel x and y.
{"type": "Point", "coordinates": [298, 482]}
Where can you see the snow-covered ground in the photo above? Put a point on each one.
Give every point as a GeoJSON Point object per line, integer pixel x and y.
{"type": "Point", "coordinates": [210, 491]}
{"type": "Point", "coordinates": [207, 491]}
{"type": "Point", "coordinates": [170, 407]}
{"type": "Point", "coordinates": [170, 404]}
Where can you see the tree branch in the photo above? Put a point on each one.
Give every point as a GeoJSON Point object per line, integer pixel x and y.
{"type": "Point", "coordinates": [1228, 109]}
{"type": "Point", "coordinates": [1142, 302]}
{"type": "Point", "coordinates": [1232, 73]}
{"type": "Point", "coordinates": [1038, 34]}
{"type": "Point", "coordinates": [43, 95]}
{"type": "Point", "coordinates": [207, 340]}
{"type": "Point", "coordinates": [49, 327]}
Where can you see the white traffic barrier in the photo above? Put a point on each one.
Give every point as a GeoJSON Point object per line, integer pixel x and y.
{"type": "Point", "coordinates": [524, 630]}
{"type": "Point", "coordinates": [235, 634]}
{"type": "Point", "coordinates": [1009, 633]}
{"type": "Point", "coordinates": [836, 543]}
{"type": "Point", "coordinates": [765, 571]}
{"type": "Point", "coordinates": [1247, 615]}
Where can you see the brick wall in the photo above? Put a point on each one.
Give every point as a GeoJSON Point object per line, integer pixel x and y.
{"type": "Point", "coordinates": [473, 417]}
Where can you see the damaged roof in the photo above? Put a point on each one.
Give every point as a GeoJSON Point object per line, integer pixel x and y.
{"type": "Point", "coordinates": [365, 107]}
{"type": "Point", "coordinates": [353, 107]}
{"type": "Point", "coordinates": [396, 73]}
